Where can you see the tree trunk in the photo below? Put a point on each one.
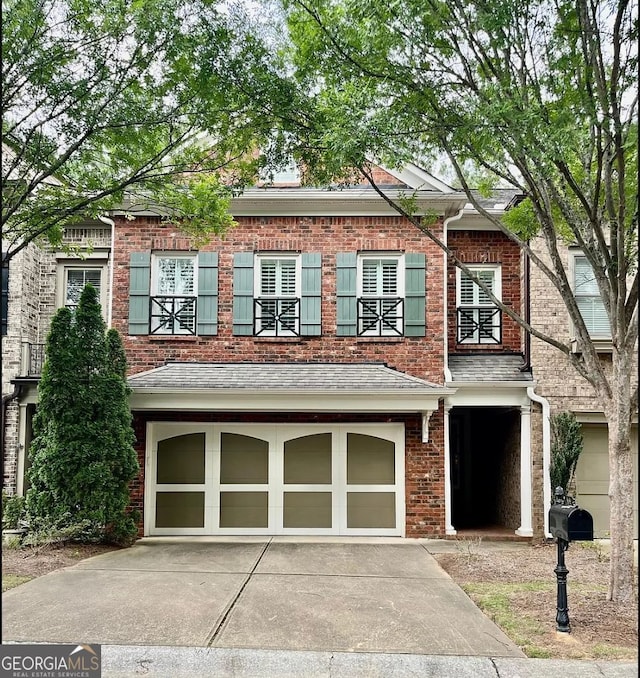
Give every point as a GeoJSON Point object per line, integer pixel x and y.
{"type": "Point", "coordinates": [621, 482]}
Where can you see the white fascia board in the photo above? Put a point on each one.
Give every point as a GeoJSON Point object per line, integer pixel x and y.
{"type": "Point", "coordinates": [347, 202]}
{"type": "Point", "coordinates": [490, 396]}
{"type": "Point", "coordinates": [419, 179]}
{"type": "Point", "coordinates": [472, 220]}
{"type": "Point", "coordinates": [245, 400]}
{"type": "Point", "coordinates": [490, 384]}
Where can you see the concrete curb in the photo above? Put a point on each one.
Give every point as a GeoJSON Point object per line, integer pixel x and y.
{"type": "Point", "coordinates": [120, 661]}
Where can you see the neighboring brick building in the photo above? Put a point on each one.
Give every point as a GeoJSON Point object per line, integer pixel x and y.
{"type": "Point", "coordinates": [566, 391]}
{"type": "Point", "coordinates": [322, 369]}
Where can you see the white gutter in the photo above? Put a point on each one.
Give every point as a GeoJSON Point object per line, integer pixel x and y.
{"type": "Point", "coordinates": [112, 223]}
{"type": "Point", "coordinates": [546, 454]}
{"type": "Point", "coordinates": [445, 302]}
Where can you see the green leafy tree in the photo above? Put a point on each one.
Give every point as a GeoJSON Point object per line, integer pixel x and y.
{"type": "Point", "coordinates": [82, 456]}
{"type": "Point", "coordinates": [566, 448]}
{"type": "Point", "coordinates": [153, 104]}
{"type": "Point", "coordinates": [537, 96]}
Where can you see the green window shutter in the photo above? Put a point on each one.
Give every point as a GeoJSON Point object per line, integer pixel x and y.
{"type": "Point", "coordinates": [243, 294]}
{"type": "Point", "coordinates": [414, 301]}
{"type": "Point", "coordinates": [139, 281]}
{"type": "Point", "coordinates": [346, 294]}
{"type": "Point", "coordinates": [310, 302]}
{"type": "Point", "coordinates": [207, 293]}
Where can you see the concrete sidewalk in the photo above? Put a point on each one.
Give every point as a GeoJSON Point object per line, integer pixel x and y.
{"type": "Point", "coordinates": [273, 607]}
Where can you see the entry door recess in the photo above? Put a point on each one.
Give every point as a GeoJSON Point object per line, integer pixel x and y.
{"type": "Point", "coordinates": [274, 479]}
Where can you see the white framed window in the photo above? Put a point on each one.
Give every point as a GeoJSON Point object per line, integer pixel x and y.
{"type": "Point", "coordinates": [173, 293]}
{"type": "Point", "coordinates": [478, 319]}
{"type": "Point", "coordinates": [587, 294]}
{"type": "Point", "coordinates": [277, 291]}
{"type": "Point", "coordinates": [380, 293]}
{"type": "Point", "coordinates": [72, 277]}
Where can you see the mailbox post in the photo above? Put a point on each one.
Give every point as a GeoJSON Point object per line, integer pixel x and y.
{"type": "Point", "coordinates": [567, 522]}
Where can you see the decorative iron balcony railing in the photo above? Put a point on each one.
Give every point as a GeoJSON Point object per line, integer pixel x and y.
{"type": "Point", "coordinates": [173, 315]}
{"type": "Point", "coordinates": [380, 317]}
{"type": "Point", "coordinates": [276, 317]}
{"type": "Point", "coordinates": [32, 359]}
{"type": "Point", "coordinates": [479, 325]}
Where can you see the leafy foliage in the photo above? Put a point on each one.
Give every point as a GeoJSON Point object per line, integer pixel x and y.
{"type": "Point", "coordinates": [13, 511]}
{"type": "Point", "coordinates": [82, 452]}
{"type": "Point", "coordinates": [538, 97]}
{"type": "Point", "coordinates": [112, 103]}
{"type": "Point", "coordinates": [566, 447]}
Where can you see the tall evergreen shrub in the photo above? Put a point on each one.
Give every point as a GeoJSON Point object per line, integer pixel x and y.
{"type": "Point", "coordinates": [566, 447]}
{"type": "Point", "coordinates": [82, 456]}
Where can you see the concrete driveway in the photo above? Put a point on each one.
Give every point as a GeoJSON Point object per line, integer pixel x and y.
{"type": "Point", "coordinates": [366, 595]}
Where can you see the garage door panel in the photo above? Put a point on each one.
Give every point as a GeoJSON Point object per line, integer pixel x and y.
{"type": "Point", "coordinates": [181, 460]}
{"type": "Point", "coordinates": [370, 460]}
{"type": "Point", "coordinates": [307, 510]}
{"type": "Point", "coordinates": [370, 510]}
{"type": "Point", "coordinates": [592, 487]}
{"type": "Point", "coordinates": [179, 509]}
{"type": "Point", "coordinates": [244, 460]}
{"type": "Point", "coordinates": [307, 460]}
{"type": "Point", "coordinates": [244, 509]}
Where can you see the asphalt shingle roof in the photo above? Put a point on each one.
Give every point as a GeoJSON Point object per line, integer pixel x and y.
{"type": "Point", "coordinates": [279, 376]}
{"type": "Point", "coordinates": [487, 368]}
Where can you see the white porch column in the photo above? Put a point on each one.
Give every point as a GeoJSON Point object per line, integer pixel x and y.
{"type": "Point", "coordinates": [526, 525]}
{"type": "Point", "coordinates": [448, 527]}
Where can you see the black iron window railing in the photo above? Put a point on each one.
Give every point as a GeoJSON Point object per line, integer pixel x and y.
{"type": "Point", "coordinates": [173, 315]}
{"type": "Point", "coordinates": [32, 359]}
{"type": "Point", "coordinates": [380, 316]}
{"type": "Point", "coordinates": [479, 325]}
{"type": "Point", "coordinates": [276, 317]}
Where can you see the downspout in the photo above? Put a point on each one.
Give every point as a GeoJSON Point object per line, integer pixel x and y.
{"type": "Point", "coordinates": [546, 454]}
{"type": "Point", "coordinates": [527, 313]}
{"type": "Point", "coordinates": [449, 527]}
{"type": "Point", "coordinates": [112, 223]}
{"type": "Point", "coordinates": [445, 301]}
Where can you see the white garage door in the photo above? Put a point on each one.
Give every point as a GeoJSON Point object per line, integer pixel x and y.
{"type": "Point", "coordinates": [274, 479]}
{"type": "Point", "coordinates": [592, 477]}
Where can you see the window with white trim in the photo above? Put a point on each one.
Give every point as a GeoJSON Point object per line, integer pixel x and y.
{"type": "Point", "coordinates": [380, 295]}
{"type": "Point", "coordinates": [173, 294]}
{"type": "Point", "coordinates": [277, 295]}
{"type": "Point", "coordinates": [478, 318]}
{"type": "Point", "coordinates": [587, 294]}
{"type": "Point", "coordinates": [74, 276]}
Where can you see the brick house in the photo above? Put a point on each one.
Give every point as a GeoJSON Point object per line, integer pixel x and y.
{"type": "Point", "coordinates": [322, 369]}
{"type": "Point", "coordinates": [566, 391]}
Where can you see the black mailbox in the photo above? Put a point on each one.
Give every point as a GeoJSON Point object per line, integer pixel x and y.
{"type": "Point", "coordinates": [570, 523]}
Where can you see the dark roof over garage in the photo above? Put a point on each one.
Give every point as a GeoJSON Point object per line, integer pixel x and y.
{"type": "Point", "coordinates": [280, 376]}
{"type": "Point", "coordinates": [478, 368]}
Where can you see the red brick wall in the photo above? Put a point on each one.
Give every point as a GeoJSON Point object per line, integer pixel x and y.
{"type": "Point", "coordinates": [487, 247]}
{"type": "Point", "coordinates": [424, 462]}
{"type": "Point", "coordinates": [420, 356]}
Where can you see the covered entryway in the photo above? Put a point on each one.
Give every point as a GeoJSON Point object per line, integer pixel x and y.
{"type": "Point", "coordinates": [489, 457]}
{"type": "Point", "coordinates": [485, 467]}
{"type": "Point", "coordinates": [206, 479]}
